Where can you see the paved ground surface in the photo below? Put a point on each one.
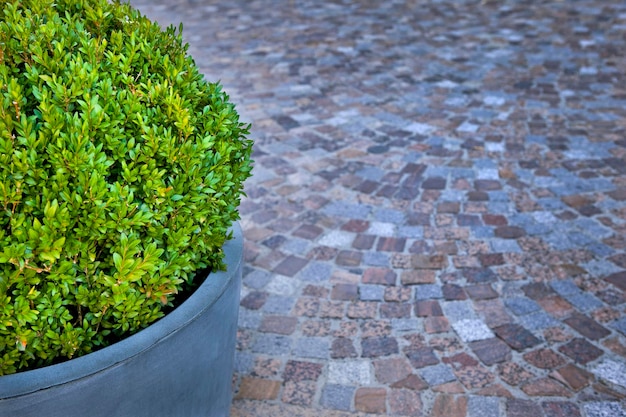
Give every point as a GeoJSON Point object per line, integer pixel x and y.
{"type": "Point", "coordinates": [436, 225]}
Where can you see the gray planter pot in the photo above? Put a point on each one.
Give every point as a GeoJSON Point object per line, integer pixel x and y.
{"type": "Point", "coordinates": [180, 366]}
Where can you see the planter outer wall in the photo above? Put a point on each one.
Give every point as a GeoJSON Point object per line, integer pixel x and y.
{"type": "Point", "coordinates": [180, 366]}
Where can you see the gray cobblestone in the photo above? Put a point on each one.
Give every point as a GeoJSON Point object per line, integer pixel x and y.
{"type": "Point", "coordinates": [459, 310]}
{"type": "Point", "coordinates": [505, 246]}
{"type": "Point", "coordinates": [315, 272]}
{"type": "Point", "coordinates": [611, 371]}
{"type": "Point", "coordinates": [413, 232]}
{"type": "Point", "coordinates": [376, 259]}
{"type": "Point", "coordinates": [243, 362]}
{"type": "Point", "coordinates": [278, 304]}
{"type": "Point", "coordinates": [406, 325]}
{"type": "Point", "coordinates": [583, 301]}
{"type": "Point", "coordinates": [565, 287]}
{"type": "Point", "coordinates": [620, 325]}
{"type": "Point", "coordinates": [604, 409]}
{"type": "Point", "coordinates": [389, 216]}
{"type": "Point", "coordinates": [470, 330]}
{"type": "Point", "coordinates": [428, 291]}
{"type": "Point", "coordinates": [521, 306]}
{"type": "Point", "coordinates": [257, 279]}
{"type": "Point", "coordinates": [337, 239]}
{"type": "Point", "coordinates": [249, 319]}
{"type": "Point", "coordinates": [337, 397]}
{"type": "Point", "coordinates": [437, 374]}
{"type": "Point", "coordinates": [296, 246]}
{"type": "Point", "coordinates": [478, 406]}
{"type": "Point", "coordinates": [271, 344]}
{"type": "Point", "coordinates": [312, 347]}
{"type": "Point", "coordinates": [355, 373]}
{"type": "Point", "coordinates": [538, 321]}
{"type": "Point", "coordinates": [347, 210]}
{"type": "Point", "coordinates": [371, 292]}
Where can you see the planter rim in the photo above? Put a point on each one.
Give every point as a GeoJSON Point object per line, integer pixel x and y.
{"type": "Point", "coordinates": [22, 383]}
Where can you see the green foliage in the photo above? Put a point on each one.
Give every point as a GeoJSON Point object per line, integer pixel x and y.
{"type": "Point", "coordinates": [121, 170]}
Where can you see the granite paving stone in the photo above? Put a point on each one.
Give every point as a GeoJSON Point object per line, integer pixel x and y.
{"type": "Point", "coordinates": [281, 286]}
{"type": "Point", "coordinates": [521, 306]}
{"type": "Point", "coordinates": [270, 344]}
{"type": "Point", "coordinates": [337, 397]}
{"type": "Point", "coordinates": [620, 325]}
{"type": "Point", "coordinates": [371, 292]}
{"type": "Point", "coordinates": [402, 325]}
{"type": "Point", "coordinates": [346, 292]}
{"type": "Point", "coordinates": [389, 371]}
{"type": "Point", "coordinates": [315, 272]}
{"type": "Point", "coordinates": [618, 279]}
{"type": "Point", "coordinates": [611, 371]}
{"type": "Point", "coordinates": [586, 326]}
{"type": "Point", "coordinates": [258, 389]}
{"type": "Point", "coordinates": [545, 387]}
{"type": "Point", "coordinates": [298, 392]}
{"type": "Point", "coordinates": [538, 321]}
{"type": "Point", "coordinates": [397, 294]}
{"type": "Point", "coordinates": [459, 310]}
{"type": "Point", "coordinates": [480, 406]}
{"type": "Point", "coordinates": [404, 402]}
{"type": "Point", "coordinates": [472, 330]}
{"type": "Point", "coordinates": [257, 279]}
{"type": "Point", "coordinates": [315, 328]}
{"type": "Point", "coordinates": [572, 376]}
{"type": "Point", "coordinates": [411, 382]}
{"type": "Point", "coordinates": [375, 259]}
{"type": "Point", "coordinates": [491, 351]}
{"type": "Point", "coordinates": [437, 374]}
{"type": "Point", "coordinates": [432, 182]}
{"type": "Point", "coordinates": [278, 304]}
{"type": "Point", "coordinates": [371, 400]}
{"type": "Point", "coordinates": [254, 300]}
{"type": "Point", "coordinates": [428, 291]}
{"type": "Point", "coordinates": [302, 371]}
{"type": "Point", "coordinates": [436, 324]}
{"type": "Point", "coordinates": [556, 306]}
{"type": "Point", "coordinates": [560, 409]}
{"type": "Point", "coordinates": [290, 266]}
{"type": "Point", "coordinates": [426, 308]}
{"type": "Point", "coordinates": [278, 324]}
{"type": "Point", "coordinates": [395, 310]}
{"type": "Point", "coordinates": [421, 357]}
{"type": "Point", "coordinates": [544, 358]}
{"type": "Point", "coordinates": [481, 292]}
{"type": "Point", "coordinates": [521, 408]}
{"type": "Point", "coordinates": [249, 319]}
{"type": "Point", "coordinates": [352, 373]}
{"type": "Point", "coordinates": [449, 405]}
{"type": "Point", "coordinates": [516, 336]}
{"type": "Point", "coordinates": [378, 346]}
{"type": "Point", "coordinates": [514, 374]}
{"type": "Point", "coordinates": [311, 347]}
{"type": "Point", "coordinates": [581, 350]}
{"type": "Point", "coordinates": [473, 377]}
{"type": "Point", "coordinates": [604, 409]}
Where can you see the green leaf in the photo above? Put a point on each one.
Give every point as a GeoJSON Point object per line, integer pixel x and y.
{"type": "Point", "coordinates": [117, 261]}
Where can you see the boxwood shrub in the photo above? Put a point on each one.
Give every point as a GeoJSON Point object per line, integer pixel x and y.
{"type": "Point", "coordinates": [121, 171]}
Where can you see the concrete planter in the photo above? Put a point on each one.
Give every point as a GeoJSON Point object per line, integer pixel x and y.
{"type": "Point", "coordinates": [180, 366]}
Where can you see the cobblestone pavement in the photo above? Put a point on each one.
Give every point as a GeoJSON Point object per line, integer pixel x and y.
{"type": "Point", "coordinates": [436, 225]}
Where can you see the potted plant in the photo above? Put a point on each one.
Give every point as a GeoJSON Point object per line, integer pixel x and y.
{"type": "Point", "coordinates": [121, 170]}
